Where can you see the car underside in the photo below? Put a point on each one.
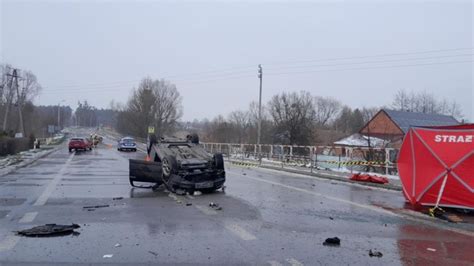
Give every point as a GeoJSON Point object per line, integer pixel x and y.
{"type": "Point", "coordinates": [179, 164]}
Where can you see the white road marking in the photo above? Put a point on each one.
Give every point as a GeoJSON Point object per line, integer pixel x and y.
{"type": "Point", "coordinates": [28, 217]}
{"type": "Point", "coordinates": [294, 262]}
{"type": "Point", "coordinates": [9, 242]}
{"type": "Point", "coordinates": [403, 215]}
{"type": "Point", "coordinates": [206, 210]}
{"type": "Point", "coordinates": [52, 185]}
{"type": "Point", "coordinates": [274, 263]}
{"type": "Point", "coordinates": [240, 232]}
{"type": "Point", "coordinates": [360, 205]}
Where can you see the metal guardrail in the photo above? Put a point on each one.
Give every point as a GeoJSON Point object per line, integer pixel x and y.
{"type": "Point", "coordinates": [349, 159]}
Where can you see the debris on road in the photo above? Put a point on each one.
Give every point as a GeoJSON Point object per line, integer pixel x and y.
{"type": "Point", "coordinates": [244, 173]}
{"type": "Point", "coordinates": [332, 241]}
{"type": "Point", "coordinates": [189, 204]}
{"type": "Point", "coordinates": [369, 178]}
{"type": "Point", "coordinates": [153, 253]}
{"type": "Point", "coordinates": [107, 256]}
{"type": "Point", "coordinates": [118, 198]}
{"type": "Point", "coordinates": [48, 230]}
{"type": "Point", "coordinates": [215, 206]}
{"type": "Point", "coordinates": [96, 206]}
{"type": "Point", "coordinates": [374, 253]}
{"type": "Point", "coordinates": [180, 192]}
{"type": "Point", "coordinates": [330, 218]}
{"type": "Point", "coordinates": [117, 245]}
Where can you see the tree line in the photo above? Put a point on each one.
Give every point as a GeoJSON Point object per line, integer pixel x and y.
{"type": "Point", "coordinates": [296, 118]}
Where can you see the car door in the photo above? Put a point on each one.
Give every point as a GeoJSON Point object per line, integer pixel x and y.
{"type": "Point", "coordinates": [145, 171]}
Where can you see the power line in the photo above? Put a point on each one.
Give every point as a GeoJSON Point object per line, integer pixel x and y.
{"type": "Point", "coordinates": [114, 88]}
{"type": "Point", "coordinates": [370, 56]}
{"type": "Point", "coordinates": [373, 62]}
{"type": "Point", "coordinates": [222, 71]}
{"type": "Point", "coordinates": [367, 68]}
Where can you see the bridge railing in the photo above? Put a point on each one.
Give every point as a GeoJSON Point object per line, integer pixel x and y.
{"type": "Point", "coordinates": [333, 158]}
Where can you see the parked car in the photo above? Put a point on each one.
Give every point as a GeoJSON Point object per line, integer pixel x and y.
{"type": "Point", "coordinates": [127, 143]}
{"type": "Point", "coordinates": [179, 164]}
{"type": "Point", "coordinates": [79, 144]}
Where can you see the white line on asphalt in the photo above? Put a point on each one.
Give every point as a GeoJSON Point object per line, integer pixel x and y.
{"type": "Point", "coordinates": [368, 207]}
{"type": "Point", "coordinates": [206, 210]}
{"type": "Point", "coordinates": [294, 262]}
{"type": "Point", "coordinates": [28, 217]}
{"type": "Point", "coordinates": [274, 263]}
{"type": "Point", "coordinates": [239, 231]}
{"type": "Point", "coordinates": [52, 185]}
{"type": "Point", "coordinates": [9, 242]}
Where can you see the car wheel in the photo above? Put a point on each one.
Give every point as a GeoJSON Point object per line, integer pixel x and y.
{"type": "Point", "coordinates": [219, 161]}
{"type": "Point", "coordinates": [169, 166]}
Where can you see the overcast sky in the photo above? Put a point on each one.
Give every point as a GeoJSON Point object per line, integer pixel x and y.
{"type": "Point", "coordinates": [359, 52]}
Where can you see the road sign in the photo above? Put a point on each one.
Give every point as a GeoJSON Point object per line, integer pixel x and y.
{"type": "Point", "coordinates": [151, 130]}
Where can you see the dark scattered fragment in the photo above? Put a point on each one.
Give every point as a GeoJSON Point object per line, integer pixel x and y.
{"type": "Point", "coordinates": [96, 206]}
{"type": "Point", "coordinates": [330, 218]}
{"type": "Point", "coordinates": [374, 253]}
{"type": "Point", "coordinates": [118, 198]}
{"type": "Point", "coordinates": [49, 230]}
{"type": "Point", "coordinates": [215, 206]}
{"type": "Point", "coordinates": [153, 253]}
{"type": "Point", "coordinates": [332, 241]}
{"type": "Point", "coordinates": [189, 204]}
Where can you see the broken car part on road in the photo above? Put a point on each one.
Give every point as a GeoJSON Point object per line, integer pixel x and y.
{"type": "Point", "coordinates": [49, 230]}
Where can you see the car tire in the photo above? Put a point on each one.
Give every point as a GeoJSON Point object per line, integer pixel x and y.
{"type": "Point", "coordinates": [169, 165]}
{"type": "Point", "coordinates": [219, 161]}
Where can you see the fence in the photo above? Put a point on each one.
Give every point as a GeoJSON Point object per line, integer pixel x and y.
{"type": "Point", "coordinates": [335, 158]}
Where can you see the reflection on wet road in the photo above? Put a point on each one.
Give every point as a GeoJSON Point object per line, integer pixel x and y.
{"type": "Point", "coordinates": [267, 218]}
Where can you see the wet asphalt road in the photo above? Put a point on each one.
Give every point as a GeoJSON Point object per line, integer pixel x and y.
{"type": "Point", "coordinates": [268, 218]}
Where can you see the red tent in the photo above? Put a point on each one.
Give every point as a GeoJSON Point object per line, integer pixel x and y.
{"type": "Point", "coordinates": [436, 166]}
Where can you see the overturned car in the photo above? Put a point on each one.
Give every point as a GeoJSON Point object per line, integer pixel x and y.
{"type": "Point", "coordinates": [179, 164]}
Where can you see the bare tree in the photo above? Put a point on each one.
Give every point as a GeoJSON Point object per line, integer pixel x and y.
{"type": "Point", "coordinates": [326, 109]}
{"type": "Point", "coordinates": [241, 123]}
{"type": "Point", "coordinates": [294, 117]}
{"type": "Point", "coordinates": [368, 113]}
{"type": "Point", "coordinates": [154, 103]}
{"type": "Point", "coordinates": [424, 102]}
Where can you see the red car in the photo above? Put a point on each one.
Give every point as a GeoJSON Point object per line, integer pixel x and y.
{"type": "Point", "coordinates": [79, 144]}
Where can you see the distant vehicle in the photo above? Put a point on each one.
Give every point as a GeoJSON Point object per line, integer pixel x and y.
{"type": "Point", "coordinates": [179, 164]}
{"type": "Point", "coordinates": [127, 143]}
{"type": "Point", "coordinates": [79, 144]}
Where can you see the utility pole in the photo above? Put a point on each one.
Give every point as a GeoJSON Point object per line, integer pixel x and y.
{"type": "Point", "coordinates": [8, 103]}
{"type": "Point", "coordinates": [20, 114]}
{"type": "Point", "coordinates": [259, 126]}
